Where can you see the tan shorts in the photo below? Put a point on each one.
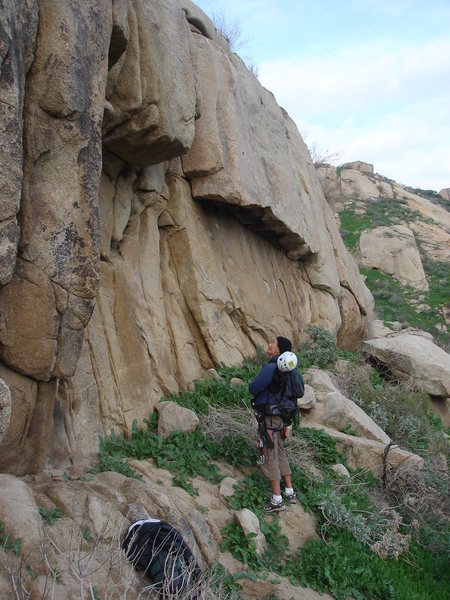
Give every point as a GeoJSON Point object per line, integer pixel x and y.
{"type": "Point", "coordinates": [276, 464]}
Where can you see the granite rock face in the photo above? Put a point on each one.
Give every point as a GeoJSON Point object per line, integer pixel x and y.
{"type": "Point", "coordinates": [162, 214]}
{"type": "Point", "coordinates": [393, 250]}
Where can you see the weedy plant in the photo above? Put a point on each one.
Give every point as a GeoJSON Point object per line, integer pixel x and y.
{"type": "Point", "coordinates": [49, 515]}
{"type": "Point", "coordinates": [8, 542]}
{"type": "Point", "coordinates": [319, 350]}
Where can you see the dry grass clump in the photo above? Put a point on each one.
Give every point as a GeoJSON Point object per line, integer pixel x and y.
{"type": "Point", "coordinates": [422, 496]}
{"type": "Point", "coordinates": [223, 422]}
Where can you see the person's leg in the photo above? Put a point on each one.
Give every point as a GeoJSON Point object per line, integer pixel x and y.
{"type": "Point", "coordinates": [286, 475]}
{"type": "Point", "coordinates": [276, 488]}
{"type": "Point", "coordinates": [287, 481]}
{"type": "Point", "coordinates": [271, 471]}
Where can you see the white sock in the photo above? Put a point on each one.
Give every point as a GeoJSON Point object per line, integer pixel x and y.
{"type": "Point", "coordinates": [276, 499]}
{"type": "Point", "coordinates": [289, 491]}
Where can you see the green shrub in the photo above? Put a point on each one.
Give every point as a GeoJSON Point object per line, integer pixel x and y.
{"type": "Point", "coordinates": [49, 516]}
{"type": "Point", "coordinates": [322, 444]}
{"type": "Point", "coordinates": [319, 350]}
{"type": "Point", "coordinates": [250, 493]}
{"type": "Point", "coordinates": [7, 542]}
{"type": "Point", "coordinates": [242, 547]}
{"type": "Point", "coordinates": [213, 392]}
{"type": "Point", "coordinates": [402, 413]}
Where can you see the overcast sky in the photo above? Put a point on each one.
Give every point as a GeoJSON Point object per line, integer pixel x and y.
{"type": "Point", "coordinates": [363, 79]}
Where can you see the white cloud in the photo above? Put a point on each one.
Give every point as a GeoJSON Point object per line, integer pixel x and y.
{"type": "Point", "coordinates": [390, 107]}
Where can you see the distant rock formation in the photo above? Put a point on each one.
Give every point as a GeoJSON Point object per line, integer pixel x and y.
{"type": "Point", "coordinates": [355, 185]}
{"type": "Point", "coordinates": [393, 250]}
{"type": "Point", "coordinates": [358, 165]}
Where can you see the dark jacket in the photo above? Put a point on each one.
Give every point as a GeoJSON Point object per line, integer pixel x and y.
{"type": "Point", "coordinates": [259, 387]}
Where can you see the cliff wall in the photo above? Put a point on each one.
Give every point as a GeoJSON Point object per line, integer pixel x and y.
{"type": "Point", "coordinates": [160, 213]}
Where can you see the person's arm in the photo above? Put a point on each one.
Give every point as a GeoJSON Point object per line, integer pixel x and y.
{"type": "Point", "coordinates": [262, 380]}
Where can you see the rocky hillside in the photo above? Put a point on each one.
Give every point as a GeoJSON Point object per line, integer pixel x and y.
{"type": "Point", "coordinates": [401, 240]}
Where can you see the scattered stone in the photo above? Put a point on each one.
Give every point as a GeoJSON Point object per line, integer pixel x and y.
{"type": "Point", "coordinates": [173, 417]}
{"type": "Point", "coordinates": [226, 488]}
{"type": "Point", "coordinates": [423, 308]}
{"type": "Point", "coordinates": [250, 524]}
{"type": "Point", "coordinates": [378, 329]}
{"type": "Point", "coordinates": [340, 470]}
{"type": "Point", "coordinates": [237, 381]}
{"type": "Point", "coordinates": [213, 374]}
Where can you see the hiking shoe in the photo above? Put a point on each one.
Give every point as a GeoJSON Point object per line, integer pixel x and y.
{"type": "Point", "coordinates": [271, 507]}
{"type": "Point", "coordinates": [291, 498]}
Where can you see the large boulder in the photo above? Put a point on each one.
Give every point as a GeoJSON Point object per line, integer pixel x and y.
{"type": "Point", "coordinates": [415, 359]}
{"type": "Point", "coordinates": [150, 118]}
{"type": "Point", "coordinates": [173, 417]}
{"type": "Point", "coordinates": [393, 250]}
{"type": "Point", "coordinates": [24, 523]}
{"type": "Point", "coordinates": [338, 412]}
{"type": "Point", "coordinates": [370, 454]}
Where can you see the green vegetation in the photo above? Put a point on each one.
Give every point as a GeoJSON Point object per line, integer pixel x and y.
{"type": "Point", "coordinates": [378, 539]}
{"type": "Point", "coordinates": [49, 516]}
{"type": "Point", "coordinates": [319, 350]}
{"type": "Point", "coordinates": [395, 302]}
{"type": "Point", "coordinates": [7, 542]}
{"type": "Point", "coordinates": [383, 212]}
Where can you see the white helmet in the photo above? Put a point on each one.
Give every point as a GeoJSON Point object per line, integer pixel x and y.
{"type": "Point", "coordinates": [287, 361]}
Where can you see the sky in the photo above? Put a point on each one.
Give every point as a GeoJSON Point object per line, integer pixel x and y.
{"type": "Point", "coordinates": [363, 79]}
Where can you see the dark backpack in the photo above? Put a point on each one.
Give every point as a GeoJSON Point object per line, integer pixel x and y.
{"type": "Point", "coordinates": [159, 550]}
{"type": "Point", "coordinates": [288, 386]}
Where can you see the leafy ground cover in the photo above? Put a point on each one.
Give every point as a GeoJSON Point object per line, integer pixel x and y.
{"type": "Point", "coordinates": [378, 540]}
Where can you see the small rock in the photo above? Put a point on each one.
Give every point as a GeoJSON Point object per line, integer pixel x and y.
{"type": "Point", "coordinates": [226, 488]}
{"type": "Point", "coordinates": [250, 524]}
{"type": "Point", "coordinates": [213, 374]}
{"type": "Point", "coordinates": [341, 470]}
{"type": "Point", "coordinates": [173, 417]}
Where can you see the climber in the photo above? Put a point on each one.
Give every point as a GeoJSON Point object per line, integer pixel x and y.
{"type": "Point", "coordinates": [273, 459]}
